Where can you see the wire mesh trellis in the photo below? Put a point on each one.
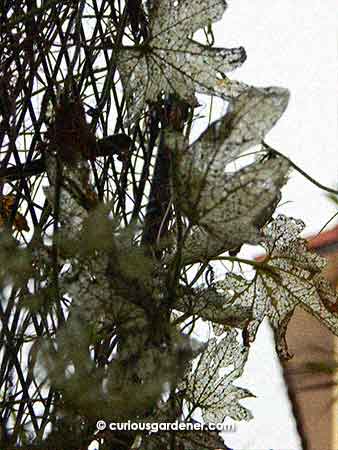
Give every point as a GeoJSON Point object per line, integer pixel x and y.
{"type": "Point", "coordinates": [45, 47]}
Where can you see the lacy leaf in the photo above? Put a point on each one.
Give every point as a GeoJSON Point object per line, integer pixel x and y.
{"type": "Point", "coordinates": [233, 209]}
{"type": "Point", "coordinates": [170, 62]}
{"type": "Point", "coordinates": [192, 440]}
{"type": "Point", "coordinates": [229, 209]}
{"type": "Point", "coordinates": [210, 305]}
{"type": "Point", "coordinates": [214, 392]}
{"type": "Point", "coordinates": [290, 276]}
{"type": "Point", "coordinates": [249, 118]}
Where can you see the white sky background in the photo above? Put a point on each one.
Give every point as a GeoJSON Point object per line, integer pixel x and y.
{"type": "Point", "coordinates": [294, 44]}
{"type": "Point", "coordinates": [291, 44]}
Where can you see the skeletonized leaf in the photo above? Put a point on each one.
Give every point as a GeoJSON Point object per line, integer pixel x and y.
{"type": "Point", "coordinates": [201, 440]}
{"type": "Point", "coordinates": [228, 210]}
{"type": "Point", "coordinates": [249, 118]}
{"type": "Point", "coordinates": [232, 210]}
{"type": "Point", "coordinates": [209, 305]}
{"type": "Point", "coordinates": [72, 195]}
{"type": "Point", "coordinates": [170, 62]}
{"type": "Point", "coordinates": [192, 440]}
{"type": "Point", "coordinates": [213, 391]}
{"type": "Point", "coordinates": [290, 276]}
